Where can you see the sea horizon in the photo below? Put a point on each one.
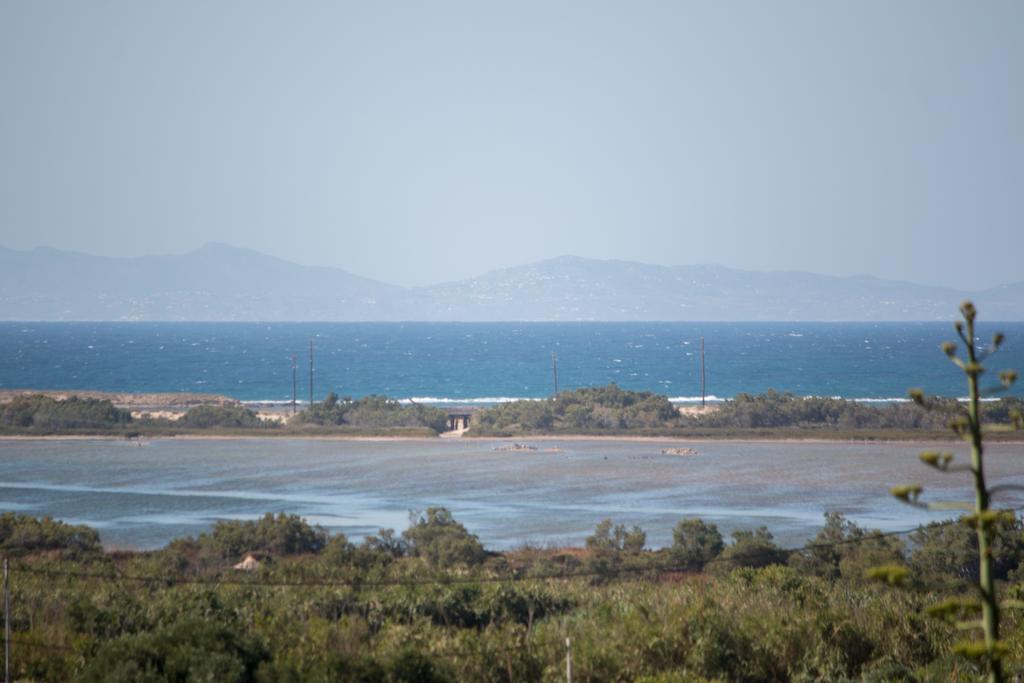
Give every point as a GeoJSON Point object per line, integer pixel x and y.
{"type": "Point", "coordinates": [488, 363]}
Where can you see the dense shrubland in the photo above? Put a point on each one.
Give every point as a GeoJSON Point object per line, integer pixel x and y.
{"type": "Point", "coordinates": [22, 534]}
{"type": "Point", "coordinates": [208, 416]}
{"type": "Point", "coordinates": [611, 410]}
{"type": "Point", "coordinates": [372, 412]}
{"type": "Point", "coordinates": [774, 409]}
{"type": "Point", "coordinates": [39, 414]}
{"type": "Point", "coordinates": [593, 411]}
{"type": "Point", "coordinates": [432, 604]}
{"type": "Point", "coordinates": [596, 410]}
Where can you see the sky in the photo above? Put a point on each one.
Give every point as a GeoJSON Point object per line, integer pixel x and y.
{"type": "Point", "coordinates": [417, 142]}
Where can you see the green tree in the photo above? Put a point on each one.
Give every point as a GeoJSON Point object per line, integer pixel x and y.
{"type": "Point", "coordinates": [40, 413]}
{"type": "Point", "coordinates": [25, 534]}
{"type": "Point", "coordinates": [843, 549]}
{"type": "Point", "coordinates": [591, 409]}
{"type": "Point", "coordinates": [948, 553]}
{"type": "Point", "coordinates": [615, 538]}
{"type": "Point", "coordinates": [372, 412]}
{"type": "Point", "coordinates": [207, 416]}
{"type": "Point", "coordinates": [193, 650]}
{"type": "Point", "coordinates": [437, 537]}
{"type": "Point", "coordinates": [695, 543]}
{"type": "Point", "coordinates": [280, 534]}
{"type": "Point", "coordinates": [755, 548]}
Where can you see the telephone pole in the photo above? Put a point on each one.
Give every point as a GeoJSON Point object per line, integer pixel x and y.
{"type": "Point", "coordinates": [554, 370]}
{"type": "Point", "coordinates": [295, 381]}
{"type": "Point", "coordinates": [310, 373]}
{"type": "Point", "coordinates": [7, 625]}
{"type": "Point", "coordinates": [702, 375]}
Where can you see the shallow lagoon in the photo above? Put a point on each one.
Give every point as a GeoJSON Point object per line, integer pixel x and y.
{"type": "Point", "coordinates": [142, 497]}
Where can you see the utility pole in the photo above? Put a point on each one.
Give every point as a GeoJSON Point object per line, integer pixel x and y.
{"type": "Point", "coordinates": [295, 382]}
{"type": "Point", "coordinates": [568, 660]}
{"type": "Point", "coordinates": [703, 377]}
{"type": "Point", "coordinates": [7, 625]}
{"type": "Point", "coordinates": [554, 370]}
{"type": "Point", "coordinates": [310, 373]}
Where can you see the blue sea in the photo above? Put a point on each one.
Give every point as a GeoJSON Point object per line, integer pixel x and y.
{"type": "Point", "coordinates": [143, 494]}
{"type": "Point", "coordinates": [491, 362]}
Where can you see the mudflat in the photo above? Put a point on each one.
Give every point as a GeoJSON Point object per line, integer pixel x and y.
{"type": "Point", "coordinates": [144, 496]}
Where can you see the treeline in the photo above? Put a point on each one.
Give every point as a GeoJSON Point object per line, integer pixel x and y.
{"type": "Point", "coordinates": [372, 412]}
{"type": "Point", "coordinates": [25, 535]}
{"type": "Point", "coordinates": [432, 604]}
{"type": "Point", "coordinates": [774, 409]}
{"type": "Point", "coordinates": [41, 414]}
{"type": "Point", "coordinates": [596, 410]}
{"type": "Point", "coordinates": [38, 414]}
{"type": "Point", "coordinates": [611, 410]}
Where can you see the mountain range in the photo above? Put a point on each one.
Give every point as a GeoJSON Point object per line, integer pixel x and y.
{"type": "Point", "coordinates": [219, 282]}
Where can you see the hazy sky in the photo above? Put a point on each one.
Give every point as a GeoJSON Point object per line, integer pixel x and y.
{"type": "Point", "coordinates": [415, 142]}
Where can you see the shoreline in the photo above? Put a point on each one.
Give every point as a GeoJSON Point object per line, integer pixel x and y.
{"type": "Point", "coordinates": [158, 418]}
{"type": "Point", "coordinates": [930, 439]}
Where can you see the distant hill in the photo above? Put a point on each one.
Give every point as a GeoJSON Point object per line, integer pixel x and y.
{"type": "Point", "coordinates": [572, 288]}
{"type": "Point", "coordinates": [220, 282]}
{"type": "Point", "coordinates": [215, 282]}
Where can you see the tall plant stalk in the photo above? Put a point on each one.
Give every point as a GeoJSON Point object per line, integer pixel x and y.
{"type": "Point", "coordinates": [984, 524]}
{"type": "Point", "coordinates": [968, 425]}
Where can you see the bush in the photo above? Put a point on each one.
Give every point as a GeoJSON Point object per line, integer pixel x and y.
{"type": "Point", "coordinates": [773, 409]}
{"type": "Point", "coordinates": [750, 549]}
{"type": "Point", "coordinates": [24, 534]}
{"type": "Point", "coordinates": [204, 417]}
{"type": "Point", "coordinates": [947, 554]}
{"type": "Point", "coordinates": [40, 413]}
{"type": "Point", "coordinates": [437, 537]}
{"type": "Point", "coordinates": [194, 650]}
{"type": "Point", "coordinates": [373, 412]}
{"type": "Point", "coordinates": [389, 622]}
{"type": "Point", "coordinates": [283, 534]}
{"type": "Point", "coordinates": [596, 409]}
{"type": "Point", "coordinates": [843, 549]}
{"type": "Point", "coordinates": [609, 538]}
{"type": "Point", "coordinates": [695, 543]}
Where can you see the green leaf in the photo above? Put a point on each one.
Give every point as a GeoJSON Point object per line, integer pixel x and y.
{"type": "Point", "coordinates": [951, 609]}
{"type": "Point", "coordinates": [892, 574]}
{"type": "Point", "coordinates": [939, 461]}
{"type": "Point", "coordinates": [978, 650]}
{"type": "Point", "coordinates": [908, 493]}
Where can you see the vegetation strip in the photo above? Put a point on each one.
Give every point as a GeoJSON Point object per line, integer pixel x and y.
{"type": "Point", "coordinates": [595, 412]}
